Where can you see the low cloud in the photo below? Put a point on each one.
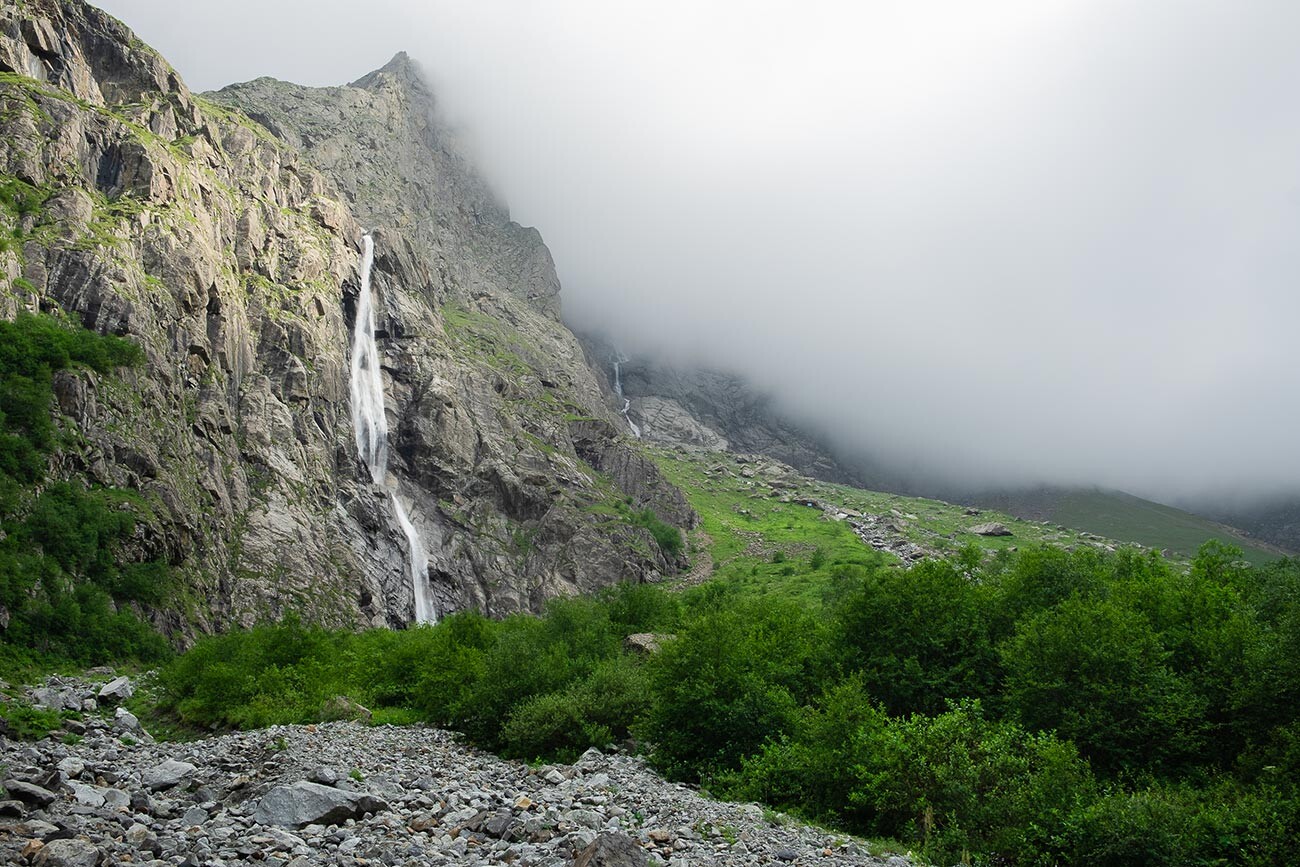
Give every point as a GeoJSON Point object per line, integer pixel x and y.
{"type": "Point", "coordinates": [998, 243]}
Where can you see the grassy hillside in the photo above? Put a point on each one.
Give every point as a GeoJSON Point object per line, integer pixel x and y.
{"type": "Point", "coordinates": [1121, 516]}
{"type": "Point", "coordinates": [776, 533]}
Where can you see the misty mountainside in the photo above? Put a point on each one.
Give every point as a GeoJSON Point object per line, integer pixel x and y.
{"type": "Point", "coordinates": [696, 408]}
{"type": "Point", "coordinates": [701, 408]}
{"type": "Point", "coordinates": [228, 250]}
{"type": "Point", "coordinates": [1275, 522]}
{"type": "Point", "coordinates": [1121, 516]}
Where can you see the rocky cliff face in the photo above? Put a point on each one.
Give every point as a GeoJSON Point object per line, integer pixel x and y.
{"type": "Point", "coordinates": [715, 411]}
{"type": "Point", "coordinates": [229, 250]}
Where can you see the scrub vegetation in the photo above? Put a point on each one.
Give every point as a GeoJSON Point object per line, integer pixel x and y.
{"type": "Point", "coordinates": [1036, 707]}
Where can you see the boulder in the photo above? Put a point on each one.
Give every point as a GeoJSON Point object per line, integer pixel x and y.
{"type": "Point", "coordinates": [305, 803]}
{"type": "Point", "coordinates": [340, 707]}
{"type": "Point", "coordinates": [612, 850]}
{"type": "Point", "coordinates": [90, 796]}
{"type": "Point", "coordinates": [990, 529]}
{"type": "Point", "coordinates": [645, 643]}
{"type": "Point", "coordinates": [117, 690]}
{"type": "Point", "coordinates": [68, 853]}
{"type": "Point", "coordinates": [324, 775]}
{"type": "Point", "coordinates": [28, 793]}
{"type": "Point", "coordinates": [52, 698]}
{"type": "Point", "coordinates": [166, 776]}
{"type": "Point", "coordinates": [126, 721]}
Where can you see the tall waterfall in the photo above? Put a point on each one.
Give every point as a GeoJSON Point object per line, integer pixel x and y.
{"type": "Point", "coordinates": [370, 426]}
{"type": "Point", "coordinates": [618, 389]}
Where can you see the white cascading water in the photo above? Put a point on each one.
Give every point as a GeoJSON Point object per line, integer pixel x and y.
{"type": "Point", "coordinates": [618, 389]}
{"type": "Point", "coordinates": [371, 428]}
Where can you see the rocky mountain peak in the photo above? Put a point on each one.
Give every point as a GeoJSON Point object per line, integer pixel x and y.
{"type": "Point", "coordinates": [401, 71]}
{"type": "Point", "coordinates": [84, 51]}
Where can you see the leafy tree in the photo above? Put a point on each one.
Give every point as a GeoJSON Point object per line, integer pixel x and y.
{"type": "Point", "coordinates": [730, 680]}
{"type": "Point", "coordinates": [919, 637]}
{"type": "Point", "coordinates": [1096, 673]}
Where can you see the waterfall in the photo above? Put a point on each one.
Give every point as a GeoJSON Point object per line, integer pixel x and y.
{"type": "Point", "coordinates": [618, 360]}
{"type": "Point", "coordinates": [370, 426]}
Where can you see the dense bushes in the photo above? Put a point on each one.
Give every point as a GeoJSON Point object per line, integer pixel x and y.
{"type": "Point", "coordinates": [1049, 707]}
{"type": "Point", "coordinates": [61, 579]}
{"type": "Point", "coordinates": [666, 535]}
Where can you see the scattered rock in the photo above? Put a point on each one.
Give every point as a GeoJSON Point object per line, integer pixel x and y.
{"type": "Point", "coordinates": [340, 707]}
{"type": "Point", "coordinates": [324, 776]}
{"type": "Point", "coordinates": [194, 816]}
{"type": "Point", "coordinates": [126, 721]}
{"type": "Point", "coordinates": [427, 798]}
{"type": "Point", "coordinates": [990, 529]}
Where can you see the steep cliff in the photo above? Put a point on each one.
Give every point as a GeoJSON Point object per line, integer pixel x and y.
{"type": "Point", "coordinates": [229, 250]}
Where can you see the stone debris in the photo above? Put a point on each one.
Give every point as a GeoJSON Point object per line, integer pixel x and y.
{"type": "Point", "coordinates": [349, 794]}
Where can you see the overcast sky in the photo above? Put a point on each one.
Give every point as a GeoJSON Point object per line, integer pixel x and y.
{"type": "Point", "coordinates": [1008, 241]}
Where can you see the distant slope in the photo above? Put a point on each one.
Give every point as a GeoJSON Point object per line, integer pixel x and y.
{"type": "Point", "coordinates": [1117, 515]}
{"type": "Point", "coordinates": [1275, 522]}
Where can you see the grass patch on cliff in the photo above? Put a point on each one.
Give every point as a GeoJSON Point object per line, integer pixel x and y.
{"type": "Point", "coordinates": [65, 590]}
{"type": "Point", "coordinates": [1039, 707]}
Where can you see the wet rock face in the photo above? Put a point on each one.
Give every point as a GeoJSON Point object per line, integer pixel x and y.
{"type": "Point", "coordinates": [229, 250]}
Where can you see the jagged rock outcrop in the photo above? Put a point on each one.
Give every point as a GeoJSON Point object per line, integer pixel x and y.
{"type": "Point", "coordinates": [229, 250]}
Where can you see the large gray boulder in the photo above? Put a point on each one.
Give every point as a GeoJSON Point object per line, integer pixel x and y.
{"type": "Point", "coordinates": [305, 803]}
{"type": "Point", "coordinates": [54, 698]}
{"type": "Point", "coordinates": [612, 850]}
{"type": "Point", "coordinates": [68, 853]}
{"type": "Point", "coordinates": [990, 529]}
{"type": "Point", "coordinates": [117, 690]}
{"type": "Point", "coordinates": [169, 774]}
{"type": "Point", "coordinates": [28, 793]}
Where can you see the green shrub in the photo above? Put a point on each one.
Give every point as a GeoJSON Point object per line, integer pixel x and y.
{"type": "Point", "coordinates": [666, 535]}
{"type": "Point", "coordinates": [642, 608]}
{"type": "Point", "coordinates": [28, 723]}
{"type": "Point", "coordinates": [733, 678]}
{"type": "Point", "coordinates": [1172, 825]}
{"type": "Point", "coordinates": [592, 712]}
{"type": "Point", "coordinates": [60, 575]}
{"type": "Point", "coordinates": [933, 705]}
{"type": "Point", "coordinates": [919, 637]}
{"type": "Point", "coordinates": [1098, 675]}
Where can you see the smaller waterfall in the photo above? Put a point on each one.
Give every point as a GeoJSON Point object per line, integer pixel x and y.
{"type": "Point", "coordinates": [618, 390]}
{"type": "Point", "coordinates": [370, 426]}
